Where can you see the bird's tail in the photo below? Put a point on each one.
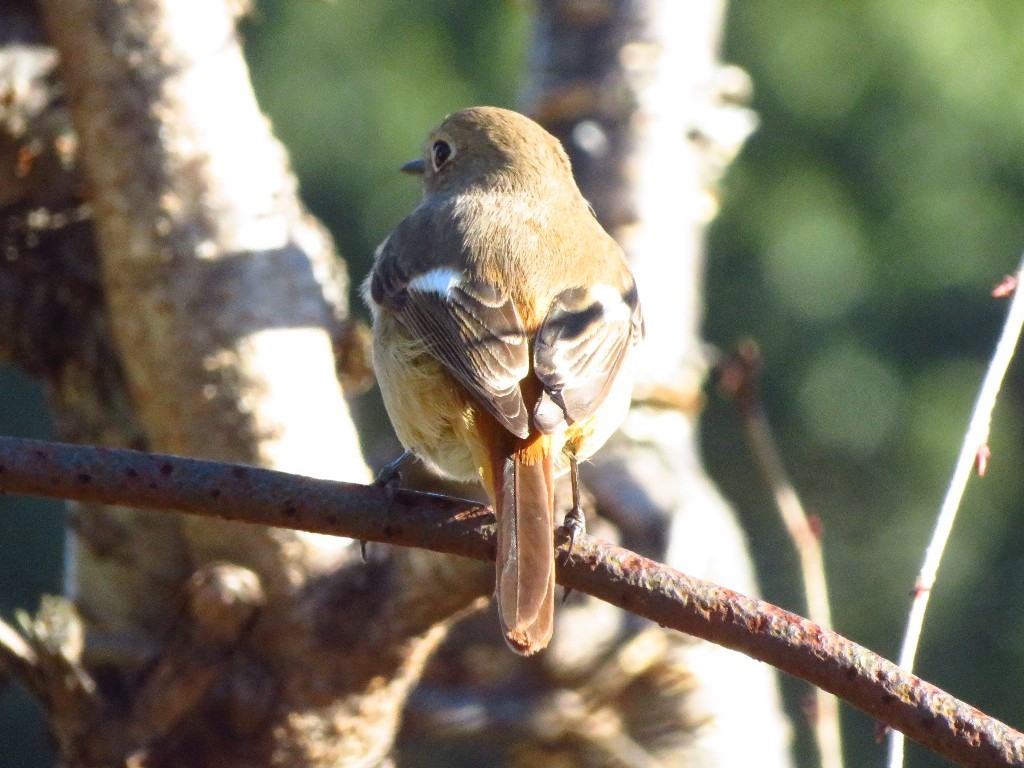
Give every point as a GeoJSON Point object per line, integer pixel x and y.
{"type": "Point", "coordinates": [525, 576]}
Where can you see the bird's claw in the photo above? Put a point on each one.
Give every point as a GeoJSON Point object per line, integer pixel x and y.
{"type": "Point", "coordinates": [389, 479]}
{"type": "Point", "coordinates": [390, 476]}
{"type": "Point", "coordinates": [574, 526]}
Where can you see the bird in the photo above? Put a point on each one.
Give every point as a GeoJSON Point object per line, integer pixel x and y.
{"type": "Point", "coordinates": [505, 320]}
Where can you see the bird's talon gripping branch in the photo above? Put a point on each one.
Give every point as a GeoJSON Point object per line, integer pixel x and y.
{"type": "Point", "coordinates": [575, 523]}
{"type": "Point", "coordinates": [390, 480]}
{"type": "Point", "coordinates": [390, 476]}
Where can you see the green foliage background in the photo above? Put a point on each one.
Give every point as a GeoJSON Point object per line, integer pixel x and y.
{"type": "Point", "coordinates": [862, 230]}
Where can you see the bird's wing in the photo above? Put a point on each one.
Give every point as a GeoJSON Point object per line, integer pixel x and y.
{"type": "Point", "coordinates": [470, 326]}
{"type": "Point", "coordinates": [579, 348]}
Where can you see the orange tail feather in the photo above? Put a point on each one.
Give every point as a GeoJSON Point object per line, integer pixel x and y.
{"type": "Point", "coordinates": [523, 485]}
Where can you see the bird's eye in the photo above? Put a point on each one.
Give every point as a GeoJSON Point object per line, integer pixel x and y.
{"type": "Point", "coordinates": [440, 153]}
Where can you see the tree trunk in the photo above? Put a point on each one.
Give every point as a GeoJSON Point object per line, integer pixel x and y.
{"type": "Point", "coordinates": [650, 119]}
{"type": "Point", "coordinates": [192, 306]}
{"type": "Point", "coordinates": [204, 323]}
{"type": "Point", "coordinates": [649, 115]}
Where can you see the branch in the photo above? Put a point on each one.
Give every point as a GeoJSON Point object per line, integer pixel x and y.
{"type": "Point", "coordinates": [638, 95]}
{"type": "Point", "coordinates": [738, 375]}
{"type": "Point", "coordinates": [973, 457]}
{"type": "Point", "coordinates": [618, 576]}
{"type": "Point", "coordinates": [199, 311]}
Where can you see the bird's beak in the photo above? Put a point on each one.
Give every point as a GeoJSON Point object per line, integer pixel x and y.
{"type": "Point", "coordinates": [414, 167]}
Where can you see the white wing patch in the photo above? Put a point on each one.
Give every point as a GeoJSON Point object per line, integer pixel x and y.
{"type": "Point", "coordinates": [440, 281]}
{"type": "Point", "coordinates": [613, 307]}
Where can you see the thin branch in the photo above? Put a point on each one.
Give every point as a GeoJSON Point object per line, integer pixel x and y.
{"type": "Point", "coordinates": [18, 659]}
{"type": "Point", "coordinates": [973, 453]}
{"type": "Point", "coordinates": [222, 600]}
{"type": "Point", "coordinates": [246, 494]}
{"type": "Point", "coordinates": [618, 576]}
{"type": "Point", "coordinates": [739, 377]}
{"type": "Point", "coordinates": [57, 677]}
{"type": "Point", "coordinates": [45, 657]}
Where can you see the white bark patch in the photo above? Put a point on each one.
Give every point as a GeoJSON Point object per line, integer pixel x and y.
{"type": "Point", "coordinates": [292, 395]}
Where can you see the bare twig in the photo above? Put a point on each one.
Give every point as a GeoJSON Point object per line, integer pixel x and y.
{"type": "Point", "coordinates": [223, 601]}
{"type": "Point", "coordinates": [246, 494]}
{"type": "Point", "coordinates": [17, 659]}
{"type": "Point", "coordinates": [55, 636]}
{"type": "Point", "coordinates": [973, 453]}
{"type": "Point", "coordinates": [46, 658]}
{"type": "Point", "coordinates": [616, 575]}
{"type": "Point", "coordinates": [739, 377]}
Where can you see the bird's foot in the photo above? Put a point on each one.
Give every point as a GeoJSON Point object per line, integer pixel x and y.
{"type": "Point", "coordinates": [390, 476]}
{"type": "Point", "coordinates": [389, 479]}
{"type": "Point", "coordinates": [574, 525]}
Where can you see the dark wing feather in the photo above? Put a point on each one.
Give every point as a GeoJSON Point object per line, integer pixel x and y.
{"type": "Point", "coordinates": [474, 330]}
{"type": "Point", "coordinates": [578, 350]}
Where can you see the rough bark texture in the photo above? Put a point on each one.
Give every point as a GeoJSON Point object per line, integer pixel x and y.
{"type": "Point", "coordinates": [190, 305]}
{"type": "Point", "coordinates": [648, 115]}
{"type": "Point", "coordinates": [635, 90]}
{"type": "Point", "coordinates": [53, 319]}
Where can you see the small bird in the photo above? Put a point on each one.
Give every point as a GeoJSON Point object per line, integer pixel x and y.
{"type": "Point", "coordinates": [504, 319]}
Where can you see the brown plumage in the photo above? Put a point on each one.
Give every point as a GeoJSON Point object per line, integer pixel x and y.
{"type": "Point", "coordinates": [504, 318]}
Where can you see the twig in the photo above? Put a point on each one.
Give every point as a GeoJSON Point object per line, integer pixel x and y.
{"type": "Point", "coordinates": [973, 453]}
{"type": "Point", "coordinates": [45, 658]}
{"type": "Point", "coordinates": [18, 659]}
{"type": "Point", "coordinates": [223, 600]}
{"type": "Point", "coordinates": [246, 494]}
{"type": "Point", "coordinates": [54, 672]}
{"type": "Point", "coordinates": [618, 576]}
{"type": "Point", "coordinates": [739, 376]}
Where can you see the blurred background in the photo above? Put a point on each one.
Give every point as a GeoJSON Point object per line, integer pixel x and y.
{"type": "Point", "coordinates": [863, 229]}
